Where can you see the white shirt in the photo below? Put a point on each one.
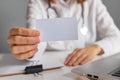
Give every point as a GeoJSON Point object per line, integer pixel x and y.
{"type": "Point", "coordinates": [96, 17]}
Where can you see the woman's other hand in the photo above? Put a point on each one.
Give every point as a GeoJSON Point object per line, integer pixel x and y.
{"type": "Point", "coordinates": [81, 56]}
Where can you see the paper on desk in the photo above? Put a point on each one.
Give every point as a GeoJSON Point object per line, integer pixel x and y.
{"type": "Point", "coordinates": [58, 29]}
{"type": "Point", "coordinates": [50, 61]}
{"type": "Point", "coordinates": [8, 64]}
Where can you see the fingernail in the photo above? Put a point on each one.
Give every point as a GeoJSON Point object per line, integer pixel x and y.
{"type": "Point", "coordinates": [37, 40]}
{"type": "Point", "coordinates": [66, 62]}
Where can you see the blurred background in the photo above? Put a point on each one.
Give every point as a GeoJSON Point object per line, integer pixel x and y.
{"type": "Point", "coordinates": [13, 13]}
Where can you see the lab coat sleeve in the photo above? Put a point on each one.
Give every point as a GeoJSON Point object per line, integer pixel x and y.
{"type": "Point", "coordinates": [107, 31]}
{"type": "Point", "coordinates": [32, 15]}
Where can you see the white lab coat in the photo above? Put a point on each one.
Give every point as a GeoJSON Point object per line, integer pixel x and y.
{"type": "Point", "coordinates": [97, 19]}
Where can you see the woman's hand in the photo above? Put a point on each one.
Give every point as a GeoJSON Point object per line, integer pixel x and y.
{"type": "Point", "coordinates": [82, 56]}
{"type": "Point", "coordinates": [23, 42]}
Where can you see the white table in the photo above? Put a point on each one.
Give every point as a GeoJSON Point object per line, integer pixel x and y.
{"type": "Point", "coordinates": [9, 64]}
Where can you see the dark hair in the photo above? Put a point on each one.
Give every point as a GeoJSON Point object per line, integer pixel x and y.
{"type": "Point", "coordinates": [79, 1]}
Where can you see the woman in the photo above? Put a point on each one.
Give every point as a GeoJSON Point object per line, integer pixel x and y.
{"type": "Point", "coordinates": [94, 21]}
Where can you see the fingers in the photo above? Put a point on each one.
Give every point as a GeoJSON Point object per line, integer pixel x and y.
{"type": "Point", "coordinates": [24, 32]}
{"type": "Point", "coordinates": [20, 40]}
{"type": "Point", "coordinates": [23, 42]}
{"type": "Point", "coordinates": [87, 59]}
{"type": "Point", "coordinates": [26, 55]}
{"type": "Point", "coordinates": [79, 60]}
{"type": "Point", "coordinates": [68, 59]}
{"type": "Point", "coordinates": [80, 57]}
{"type": "Point", "coordinates": [75, 57]}
{"type": "Point", "coordinates": [22, 49]}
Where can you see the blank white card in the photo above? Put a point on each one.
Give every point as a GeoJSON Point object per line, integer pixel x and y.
{"type": "Point", "coordinates": [58, 29]}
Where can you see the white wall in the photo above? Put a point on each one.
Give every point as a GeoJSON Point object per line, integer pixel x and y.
{"type": "Point", "coordinates": [114, 9]}
{"type": "Point", "coordinates": [13, 12]}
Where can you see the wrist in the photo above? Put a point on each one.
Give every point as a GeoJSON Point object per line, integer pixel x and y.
{"type": "Point", "coordinates": [99, 50]}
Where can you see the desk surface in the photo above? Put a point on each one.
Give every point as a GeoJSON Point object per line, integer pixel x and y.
{"type": "Point", "coordinates": [9, 64]}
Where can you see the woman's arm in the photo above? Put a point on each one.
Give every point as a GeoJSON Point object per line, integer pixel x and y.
{"type": "Point", "coordinates": [109, 39]}
{"type": "Point", "coordinates": [107, 30]}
